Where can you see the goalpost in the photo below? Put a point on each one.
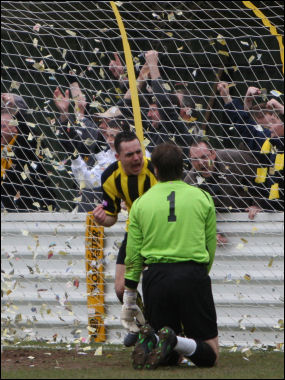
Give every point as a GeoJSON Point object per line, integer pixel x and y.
{"type": "Point", "coordinates": [87, 55]}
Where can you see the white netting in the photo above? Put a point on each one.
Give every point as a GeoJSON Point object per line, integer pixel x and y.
{"type": "Point", "coordinates": [56, 57]}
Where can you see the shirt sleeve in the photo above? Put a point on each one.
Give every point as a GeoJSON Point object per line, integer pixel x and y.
{"type": "Point", "coordinates": [211, 230]}
{"type": "Point", "coordinates": [134, 259]}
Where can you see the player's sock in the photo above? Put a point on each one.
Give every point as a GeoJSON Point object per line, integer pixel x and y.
{"type": "Point", "coordinates": [185, 346]}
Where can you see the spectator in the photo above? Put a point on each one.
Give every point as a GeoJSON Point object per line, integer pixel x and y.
{"type": "Point", "coordinates": [89, 177]}
{"type": "Point", "coordinates": [25, 184]}
{"type": "Point", "coordinates": [227, 174]}
{"type": "Point", "coordinates": [265, 140]}
{"type": "Point", "coordinates": [172, 243]}
{"type": "Point", "coordinates": [87, 137]}
{"type": "Point", "coordinates": [163, 110]}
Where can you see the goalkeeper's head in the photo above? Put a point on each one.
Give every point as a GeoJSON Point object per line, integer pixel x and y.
{"type": "Point", "coordinates": [167, 159]}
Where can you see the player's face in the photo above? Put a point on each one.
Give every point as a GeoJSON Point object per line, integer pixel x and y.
{"type": "Point", "coordinates": [131, 157]}
{"type": "Point", "coordinates": [202, 159]}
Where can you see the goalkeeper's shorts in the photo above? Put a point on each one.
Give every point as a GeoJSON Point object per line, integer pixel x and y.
{"type": "Point", "coordinates": [179, 295]}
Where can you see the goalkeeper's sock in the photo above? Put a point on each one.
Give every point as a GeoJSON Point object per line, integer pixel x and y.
{"type": "Point", "coordinates": [185, 346]}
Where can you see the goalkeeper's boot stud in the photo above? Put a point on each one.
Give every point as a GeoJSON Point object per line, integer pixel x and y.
{"type": "Point", "coordinates": [165, 346]}
{"type": "Point", "coordinates": [145, 344]}
{"type": "Point", "coordinates": [131, 339]}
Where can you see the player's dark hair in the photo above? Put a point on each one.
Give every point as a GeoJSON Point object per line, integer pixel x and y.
{"type": "Point", "coordinates": [168, 159]}
{"type": "Point", "coordinates": [123, 137]}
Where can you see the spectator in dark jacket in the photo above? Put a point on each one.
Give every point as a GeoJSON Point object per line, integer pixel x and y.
{"type": "Point", "coordinates": [262, 131]}
{"type": "Point", "coordinates": [227, 174]}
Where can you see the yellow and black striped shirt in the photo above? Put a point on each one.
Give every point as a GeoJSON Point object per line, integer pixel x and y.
{"type": "Point", "coordinates": [117, 186]}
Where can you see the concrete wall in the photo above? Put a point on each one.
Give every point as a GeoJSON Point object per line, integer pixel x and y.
{"type": "Point", "coordinates": [44, 294]}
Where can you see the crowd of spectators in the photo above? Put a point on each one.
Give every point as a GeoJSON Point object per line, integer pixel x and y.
{"type": "Point", "coordinates": [245, 180]}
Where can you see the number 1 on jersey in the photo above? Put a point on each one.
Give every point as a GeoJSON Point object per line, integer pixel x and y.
{"type": "Point", "coordinates": [171, 199]}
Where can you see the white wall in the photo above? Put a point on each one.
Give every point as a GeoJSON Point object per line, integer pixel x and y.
{"type": "Point", "coordinates": [41, 299]}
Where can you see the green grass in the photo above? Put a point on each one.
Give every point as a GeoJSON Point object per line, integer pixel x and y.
{"type": "Point", "coordinates": [116, 364]}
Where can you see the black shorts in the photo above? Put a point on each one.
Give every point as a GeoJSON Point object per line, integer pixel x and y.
{"type": "Point", "coordinates": [179, 295]}
{"type": "Point", "coordinates": [122, 251]}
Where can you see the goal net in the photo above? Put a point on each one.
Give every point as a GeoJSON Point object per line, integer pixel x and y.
{"type": "Point", "coordinates": [209, 75]}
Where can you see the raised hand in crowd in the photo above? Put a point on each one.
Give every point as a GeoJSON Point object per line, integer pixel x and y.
{"type": "Point", "coordinates": [273, 104]}
{"type": "Point", "coordinates": [116, 67]}
{"type": "Point", "coordinates": [62, 102]}
{"type": "Point", "coordinates": [223, 88]}
{"type": "Point", "coordinates": [251, 92]}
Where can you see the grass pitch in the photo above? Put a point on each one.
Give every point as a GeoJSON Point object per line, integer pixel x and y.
{"type": "Point", "coordinates": [115, 363]}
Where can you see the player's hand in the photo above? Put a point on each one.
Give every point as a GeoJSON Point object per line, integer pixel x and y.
{"type": "Point", "coordinates": [131, 313]}
{"type": "Point", "coordinates": [99, 214]}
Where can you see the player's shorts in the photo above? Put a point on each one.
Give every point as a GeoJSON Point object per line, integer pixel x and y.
{"type": "Point", "coordinates": [179, 295]}
{"type": "Point", "coordinates": [122, 251]}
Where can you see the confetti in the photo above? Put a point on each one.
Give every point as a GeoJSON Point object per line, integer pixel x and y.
{"type": "Point", "coordinates": [39, 66]}
{"type": "Point", "coordinates": [99, 351]}
{"type": "Point", "coordinates": [35, 42]}
{"type": "Point", "coordinates": [171, 17]}
{"type": "Point", "coordinates": [70, 32]}
{"type": "Point", "coordinates": [270, 262]}
{"type": "Point", "coordinates": [200, 180]}
{"type": "Point", "coordinates": [166, 86]}
{"type": "Point", "coordinates": [223, 52]}
{"type": "Point", "coordinates": [244, 43]}
{"type": "Point", "coordinates": [15, 85]}
{"type": "Point", "coordinates": [221, 40]}
{"type": "Point", "coordinates": [275, 93]}
{"type": "Point", "coordinates": [101, 73]}
{"type": "Point", "coordinates": [251, 59]}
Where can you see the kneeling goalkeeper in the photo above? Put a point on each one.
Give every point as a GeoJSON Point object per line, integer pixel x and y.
{"type": "Point", "coordinates": [172, 241]}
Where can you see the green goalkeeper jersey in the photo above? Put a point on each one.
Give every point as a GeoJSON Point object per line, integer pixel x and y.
{"type": "Point", "coordinates": [172, 222]}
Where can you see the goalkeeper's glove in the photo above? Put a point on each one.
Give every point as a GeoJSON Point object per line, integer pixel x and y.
{"type": "Point", "coordinates": [130, 312]}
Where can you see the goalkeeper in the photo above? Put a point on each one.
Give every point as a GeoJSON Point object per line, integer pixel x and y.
{"type": "Point", "coordinates": [172, 232]}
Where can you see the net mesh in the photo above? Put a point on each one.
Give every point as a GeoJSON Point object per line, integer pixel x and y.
{"type": "Point", "coordinates": [213, 70]}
